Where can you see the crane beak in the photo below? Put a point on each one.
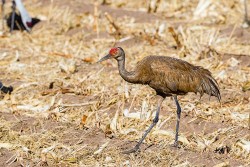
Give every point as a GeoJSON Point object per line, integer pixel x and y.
{"type": "Point", "coordinates": [108, 56]}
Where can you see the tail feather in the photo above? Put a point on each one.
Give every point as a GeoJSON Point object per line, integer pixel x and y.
{"type": "Point", "coordinates": [209, 85]}
{"type": "Point", "coordinates": [215, 89]}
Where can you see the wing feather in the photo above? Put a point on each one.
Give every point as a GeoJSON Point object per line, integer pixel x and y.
{"type": "Point", "coordinates": [174, 76]}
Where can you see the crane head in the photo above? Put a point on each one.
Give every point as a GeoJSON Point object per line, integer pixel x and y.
{"type": "Point", "coordinates": [113, 53]}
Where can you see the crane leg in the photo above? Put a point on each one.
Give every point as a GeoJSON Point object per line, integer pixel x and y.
{"type": "Point", "coordinates": [178, 120]}
{"type": "Point", "coordinates": [13, 16]}
{"type": "Point", "coordinates": [246, 15]}
{"type": "Point", "coordinates": [155, 120]}
{"type": "Point", "coordinates": [246, 22]}
{"type": "Point", "coordinates": [3, 2]}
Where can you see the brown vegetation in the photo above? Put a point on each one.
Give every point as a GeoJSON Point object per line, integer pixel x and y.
{"type": "Point", "coordinates": [68, 110]}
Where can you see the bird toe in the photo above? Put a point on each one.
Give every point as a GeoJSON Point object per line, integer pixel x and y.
{"type": "Point", "coordinates": [133, 150]}
{"type": "Point", "coordinates": [175, 145]}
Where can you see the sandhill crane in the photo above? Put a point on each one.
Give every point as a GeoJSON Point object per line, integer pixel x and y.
{"type": "Point", "coordinates": [168, 77]}
{"type": "Point", "coordinates": [5, 89]}
{"type": "Point", "coordinates": [25, 22]}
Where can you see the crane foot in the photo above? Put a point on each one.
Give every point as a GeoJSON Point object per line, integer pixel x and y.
{"type": "Point", "coordinates": [133, 150]}
{"type": "Point", "coordinates": [175, 145]}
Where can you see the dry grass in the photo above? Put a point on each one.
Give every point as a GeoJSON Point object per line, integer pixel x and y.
{"type": "Point", "coordinates": [68, 110]}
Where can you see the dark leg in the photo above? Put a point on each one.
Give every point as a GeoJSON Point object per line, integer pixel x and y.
{"type": "Point", "coordinates": [246, 15]}
{"type": "Point", "coordinates": [13, 16]}
{"type": "Point", "coordinates": [155, 120]}
{"type": "Point", "coordinates": [3, 2]}
{"type": "Point", "coordinates": [178, 120]}
{"type": "Point", "coordinates": [246, 21]}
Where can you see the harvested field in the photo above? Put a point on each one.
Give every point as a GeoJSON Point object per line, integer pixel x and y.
{"type": "Point", "coordinates": [68, 110]}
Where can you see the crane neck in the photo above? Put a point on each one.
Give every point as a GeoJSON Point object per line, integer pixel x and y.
{"type": "Point", "coordinates": [126, 75]}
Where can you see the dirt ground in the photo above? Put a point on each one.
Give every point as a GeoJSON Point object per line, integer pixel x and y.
{"type": "Point", "coordinates": [68, 110]}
